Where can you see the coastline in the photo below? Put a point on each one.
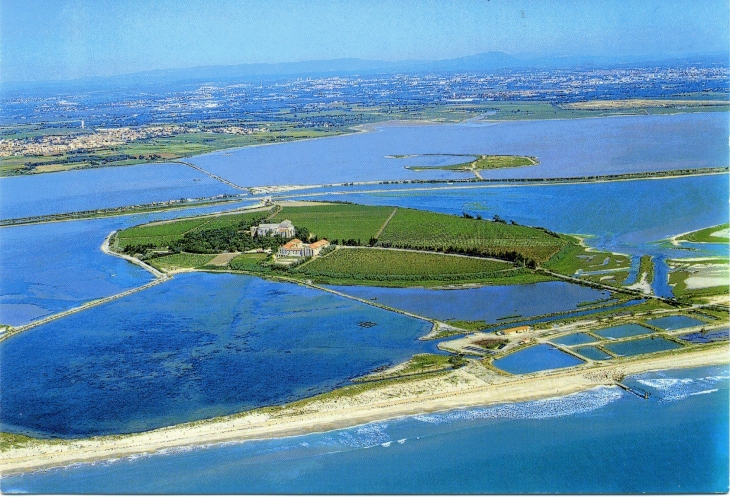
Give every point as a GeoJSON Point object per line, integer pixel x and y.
{"type": "Point", "coordinates": [457, 389]}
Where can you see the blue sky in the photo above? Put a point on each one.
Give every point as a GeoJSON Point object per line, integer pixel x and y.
{"type": "Point", "coordinates": [64, 39]}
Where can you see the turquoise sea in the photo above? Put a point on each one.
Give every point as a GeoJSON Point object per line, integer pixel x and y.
{"type": "Point", "coordinates": [600, 441]}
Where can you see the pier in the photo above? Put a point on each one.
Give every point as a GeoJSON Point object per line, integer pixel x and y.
{"type": "Point", "coordinates": [642, 394]}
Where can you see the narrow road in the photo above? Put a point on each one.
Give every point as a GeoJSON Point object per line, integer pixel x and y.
{"type": "Point", "coordinates": [214, 176]}
{"type": "Point", "coordinates": [377, 235]}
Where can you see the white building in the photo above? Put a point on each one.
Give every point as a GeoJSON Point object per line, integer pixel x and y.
{"type": "Point", "coordinates": [284, 229]}
{"type": "Point", "coordinates": [297, 248]}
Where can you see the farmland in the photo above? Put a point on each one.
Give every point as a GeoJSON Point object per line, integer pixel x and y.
{"type": "Point", "coordinates": [174, 262]}
{"type": "Point", "coordinates": [338, 222]}
{"type": "Point", "coordinates": [444, 233]}
{"type": "Point", "coordinates": [404, 268]}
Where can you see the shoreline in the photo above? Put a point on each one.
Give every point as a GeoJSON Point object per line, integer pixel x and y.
{"type": "Point", "coordinates": [454, 390]}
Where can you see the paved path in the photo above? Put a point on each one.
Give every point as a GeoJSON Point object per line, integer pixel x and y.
{"type": "Point", "coordinates": [214, 176]}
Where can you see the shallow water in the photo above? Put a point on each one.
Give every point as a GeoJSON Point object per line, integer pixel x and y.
{"type": "Point", "coordinates": [674, 442]}
{"type": "Point", "coordinates": [573, 339]}
{"type": "Point", "coordinates": [641, 346]}
{"type": "Point", "coordinates": [596, 146]}
{"type": "Point", "coordinates": [671, 323]}
{"type": "Point", "coordinates": [536, 358]}
{"type": "Point", "coordinates": [487, 303]}
{"type": "Point", "coordinates": [198, 346]}
{"type": "Point", "coordinates": [71, 191]}
{"type": "Point", "coordinates": [53, 267]}
{"type": "Point", "coordinates": [592, 353]}
{"type": "Point", "coordinates": [623, 331]}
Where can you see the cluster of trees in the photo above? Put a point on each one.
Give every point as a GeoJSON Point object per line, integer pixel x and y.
{"type": "Point", "coordinates": [351, 242]}
{"type": "Point", "coordinates": [496, 253]}
{"type": "Point", "coordinates": [230, 239]}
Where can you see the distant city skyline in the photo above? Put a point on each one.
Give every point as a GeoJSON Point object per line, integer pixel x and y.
{"type": "Point", "coordinates": [57, 40]}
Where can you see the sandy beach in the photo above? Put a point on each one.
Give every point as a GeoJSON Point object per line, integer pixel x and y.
{"type": "Point", "coordinates": [471, 386]}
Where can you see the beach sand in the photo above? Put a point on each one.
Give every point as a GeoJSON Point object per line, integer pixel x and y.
{"type": "Point", "coordinates": [465, 387]}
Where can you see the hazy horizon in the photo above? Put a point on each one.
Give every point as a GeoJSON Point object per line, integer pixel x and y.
{"type": "Point", "coordinates": [72, 39]}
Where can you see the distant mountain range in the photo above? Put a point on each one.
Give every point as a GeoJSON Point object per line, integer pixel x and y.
{"type": "Point", "coordinates": [483, 62]}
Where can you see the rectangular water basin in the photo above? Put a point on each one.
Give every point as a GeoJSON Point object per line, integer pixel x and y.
{"type": "Point", "coordinates": [707, 337]}
{"type": "Point", "coordinates": [642, 346]}
{"type": "Point", "coordinates": [623, 331]}
{"type": "Point", "coordinates": [573, 339]}
{"type": "Point", "coordinates": [592, 353]}
{"type": "Point", "coordinates": [536, 358]}
{"type": "Point", "coordinates": [670, 323]}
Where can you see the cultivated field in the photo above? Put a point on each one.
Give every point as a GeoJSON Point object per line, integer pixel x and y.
{"type": "Point", "coordinates": [338, 221]}
{"type": "Point", "coordinates": [441, 232]}
{"type": "Point", "coordinates": [372, 265]}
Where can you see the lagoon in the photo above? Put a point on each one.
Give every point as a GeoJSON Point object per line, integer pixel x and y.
{"type": "Point", "coordinates": [671, 323]}
{"type": "Point", "coordinates": [485, 303]}
{"type": "Point", "coordinates": [573, 147]}
{"type": "Point", "coordinates": [198, 346]}
{"type": "Point", "coordinates": [52, 267]}
{"type": "Point", "coordinates": [88, 189]}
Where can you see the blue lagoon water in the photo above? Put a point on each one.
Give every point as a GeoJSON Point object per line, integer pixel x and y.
{"type": "Point", "coordinates": [71, 191]}
{"type": "Point", "coordinates": [595, 146]}
{"type": "Point", "coordinates": [487, 303]}
{"type": "Point", "coordinates": [600, 441]}
{"type": "Point", "coordinates": [536, 358]}
{"type": "Point", "coordinates": [198, 346]}
{"type": "Point", "coordinates": [53, 267]}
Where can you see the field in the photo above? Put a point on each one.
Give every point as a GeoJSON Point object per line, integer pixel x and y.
{"type": "Point", "coordinates": [440, 232]}
{"type": "Point", "coordinates": [248, 262]}
{"type": "Point", "coordinates": [181, 261]}
{"type": "Point", "coordinates": [337, 221]}
{"type": "Point", "coordinates": [161, 234]}
{"type": "Point", "coordinates": [482, 162]}
{"type": "Point", "coordinates": [713, 234]}
{"type": "Point", "coordinates": [370, 265]}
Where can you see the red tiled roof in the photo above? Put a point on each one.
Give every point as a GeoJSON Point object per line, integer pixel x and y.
{"type": "Point", "coordinates": [320, 243]}
{"type": "Point", "coordinates": [292, 244]}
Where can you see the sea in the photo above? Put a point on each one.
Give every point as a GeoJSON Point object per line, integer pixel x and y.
{"type": "Point", "coordinates": [603, 440]}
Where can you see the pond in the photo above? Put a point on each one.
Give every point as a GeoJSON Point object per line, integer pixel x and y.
{"type": "Point", "coordinates": [573, 339]}
{"type": "Point", "coordinates": [623, 331]}
{"type": "Point", "coordinates": [642, 346]}
{"type": "Point", "coordinates": [591, 352]}
{"type": "Point", "coordinates": [198, 346]}
{"type": "Point", "coordinates": [536, 358]}
{"type": "Point", "coordinates": [678, 322]}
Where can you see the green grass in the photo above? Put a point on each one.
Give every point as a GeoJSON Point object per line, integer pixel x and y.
{"type": "Point", "coordinates": [248, 262]}
{"type": "Point", "coordinates": [646, 265]}
{"type": "Point", "coordinates": [162, 234]}
{"type": "Point", "coordinates": [482, 162]}
{"type": "Point", "coordinates": [11, 441]}
{"type": "Point", "coordinates": [337, 221]}
{"type": "Point", "coordinates": [441, 232]}
{"type": "Point", "coordinates": [705, 235]}
{"type": "Point", "coordinates": [574, 257]}
{"type": "Point", "coordinates": [468, 325]}
{"type": "Point", "coordinates": [181, 261]}
{"type": "Point", "coordinates": [500, 161]}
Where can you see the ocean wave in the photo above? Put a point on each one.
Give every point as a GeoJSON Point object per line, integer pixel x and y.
{"type": "Point", "coordinates": [361, 437]}
{"type": "Point", "coordinates": [578, 403]}
{"type": "Point", "coordinates": [675, 389]}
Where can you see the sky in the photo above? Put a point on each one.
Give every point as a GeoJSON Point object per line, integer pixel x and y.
{"type": "Point", "coordinates": [67, 39]}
